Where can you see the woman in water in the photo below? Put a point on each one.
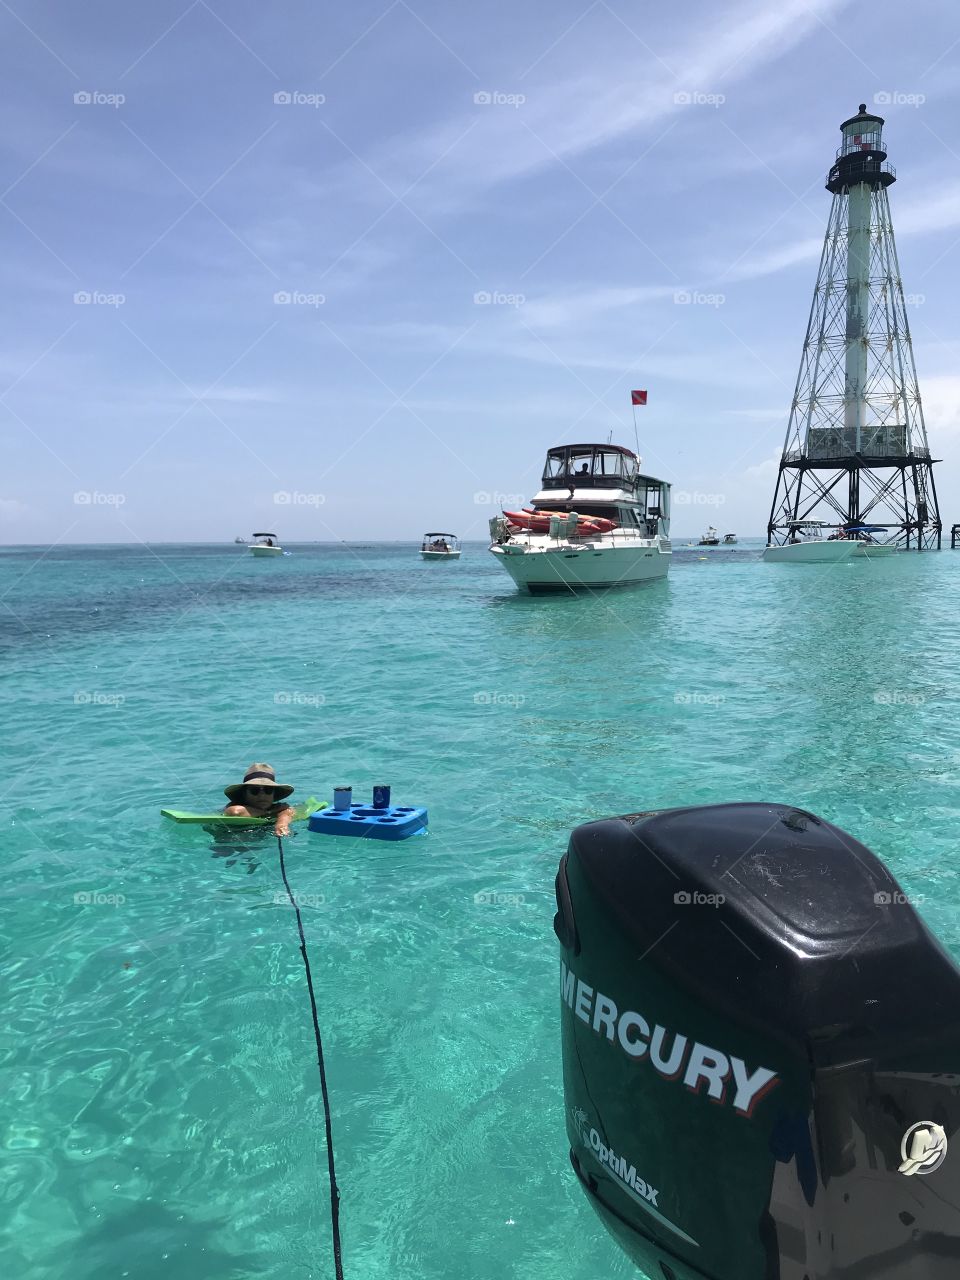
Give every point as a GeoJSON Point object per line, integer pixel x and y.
{"type": "Point", "coordinates": [259, 795]}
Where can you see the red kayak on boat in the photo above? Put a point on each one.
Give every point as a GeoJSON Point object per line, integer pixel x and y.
{"type": "Point", "coordinates": [539, 522]}
{"type": "Point", "coordinates": [598, 524]}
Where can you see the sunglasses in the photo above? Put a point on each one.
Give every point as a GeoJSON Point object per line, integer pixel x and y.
{"type": "Point", "coordinates": [254, 790]}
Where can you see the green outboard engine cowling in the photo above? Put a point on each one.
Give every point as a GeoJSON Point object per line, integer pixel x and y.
{"type": "Point", "coordinates": [761, 1050]}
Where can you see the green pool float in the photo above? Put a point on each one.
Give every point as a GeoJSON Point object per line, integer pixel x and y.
{"type": "Point", "coordinates": [300, 813]}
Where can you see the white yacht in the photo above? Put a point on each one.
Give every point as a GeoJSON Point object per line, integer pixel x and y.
{"type": "Point", "coordinates": [265, 544]}
{"type": "Point", "coordinates": [596, 522]}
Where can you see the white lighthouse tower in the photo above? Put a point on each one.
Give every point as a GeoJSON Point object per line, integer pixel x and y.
{"type": "Point", "coordinates": [856, 476]}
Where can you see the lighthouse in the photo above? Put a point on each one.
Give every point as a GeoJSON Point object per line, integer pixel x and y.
{"type": "Point", "coordinates": [856, 476]}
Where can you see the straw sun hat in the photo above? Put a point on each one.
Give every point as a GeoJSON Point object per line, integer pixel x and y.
{"type": "Point", "coordinates": [261, 775]}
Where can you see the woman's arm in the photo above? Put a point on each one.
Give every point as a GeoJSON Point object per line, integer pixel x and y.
{"type": "Point", "coordinates": [284, 817]}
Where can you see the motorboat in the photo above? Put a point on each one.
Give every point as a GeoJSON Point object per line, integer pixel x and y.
{"type": "Point", "coordinates": [265, 544]}
{"type": "Point", "coordinates": [729, 539]}
{"type": "Point", "coordinates": [440, 546]}
{"type": "Point", "coordinates": [809, 543]}
{"type": "Point", "coordinates": [710, 539]}
{"type": "Point", "coordinates": [240, 541]}
{"type": "Point", "coordinates": [597, 521]}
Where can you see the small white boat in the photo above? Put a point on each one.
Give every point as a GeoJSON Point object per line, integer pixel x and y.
{"type": "Point", "coordinates": [710, 539]}
{"type": "Point", "coordinates": [440, 546]}
{"type": "Point", "coordinates": [806, 544]}
{"type": "Point", "coordinates": [729, 539]}
{"type": "Point", "coordinates": [240, 541]}
{"type": "Point", "coordinates": [597, 522]}
{"type": "Point", "coordinates": [265, 544]}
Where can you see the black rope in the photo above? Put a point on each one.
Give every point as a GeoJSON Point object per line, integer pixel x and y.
{"type": "Point", "coordinates": [334, 1189]}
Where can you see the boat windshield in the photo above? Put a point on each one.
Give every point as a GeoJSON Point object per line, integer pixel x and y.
{"type": "Point", "coordinates": [590, 463]}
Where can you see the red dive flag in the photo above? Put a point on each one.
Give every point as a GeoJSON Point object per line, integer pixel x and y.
{"type": "Point", "coordinates": [638, 397]}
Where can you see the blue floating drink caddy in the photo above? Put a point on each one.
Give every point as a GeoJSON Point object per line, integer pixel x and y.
{"type": "Point", "coordinates": [393, 823]}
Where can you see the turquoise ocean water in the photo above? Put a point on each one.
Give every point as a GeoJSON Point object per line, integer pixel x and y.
{"type": "Point", "coordinates": [161, 1112]}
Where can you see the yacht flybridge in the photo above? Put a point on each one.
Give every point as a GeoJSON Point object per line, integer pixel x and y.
{"type": "Point", "coordinates": [596, 522]}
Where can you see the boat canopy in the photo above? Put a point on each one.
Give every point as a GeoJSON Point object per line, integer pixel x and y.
{"type": "Point", "coordinates": [594, 465]}
{"type": "Point", "coordinates": [264, 535]}
{"type": "Point", "coordinates": [865, 528]}
{"type": "Point", "coordinates": [440, 535]}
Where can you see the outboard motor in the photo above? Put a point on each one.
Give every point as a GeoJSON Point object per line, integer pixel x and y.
{"type": "Point", "coordinates": [761, 1050]}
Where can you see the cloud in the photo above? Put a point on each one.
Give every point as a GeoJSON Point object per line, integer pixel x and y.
{"type": "Point", "coordinates": [11, 509]}
{"type": "Point", "coordinates": [564, 117]}
{"type": "Point", "coordinates": [559, 310]}
{"type": "Point", "coordinates": [941, 407]}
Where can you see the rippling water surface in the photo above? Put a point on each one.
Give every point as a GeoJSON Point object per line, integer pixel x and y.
{"type": "Point", "coordinates": [161, 1106]}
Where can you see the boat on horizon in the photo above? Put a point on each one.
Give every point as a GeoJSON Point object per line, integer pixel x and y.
{"type": "Point", "coordinates": [265, 544]}
{"type": "Point", "coordinates": [729, 539]}
{"type": "Point", "coordinates": [597, 521]}
{"type": "Point", "coordinates": [440, 546]}
{"type": "Point", "coordinates": [710, 539]}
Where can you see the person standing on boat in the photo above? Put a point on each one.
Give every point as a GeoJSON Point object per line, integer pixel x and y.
{"type": "Point", "coordinates": [259, 795]}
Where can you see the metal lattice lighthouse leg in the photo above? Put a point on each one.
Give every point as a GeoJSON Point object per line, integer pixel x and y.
{"type": "Point", "coordinates": [856, 459]}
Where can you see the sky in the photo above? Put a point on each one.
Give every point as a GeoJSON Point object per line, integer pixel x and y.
{"type": "Point", "coordinates": [348, 271]}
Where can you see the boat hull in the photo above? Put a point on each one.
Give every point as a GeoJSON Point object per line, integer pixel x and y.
{"type": "Point", "coordinates": [439, 555]}
{"type": "Point", "coordinates": [828, 551]}
{"type": "Point", "coordinates": [542, 570]}
{"type": "Point", "coordinates": [266, 551]}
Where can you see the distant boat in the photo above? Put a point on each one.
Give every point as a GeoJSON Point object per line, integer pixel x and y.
{"type": "Point", "coordinates": [440, 546]}
{"type": "Point", "coordinates": [240, 541]}
{"type": "Point", "coordinates": [710, 539]}
{"type": "Point", "coordinates": [729, 539]}
{"type": "Point", "coordinates": [265, 544]}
